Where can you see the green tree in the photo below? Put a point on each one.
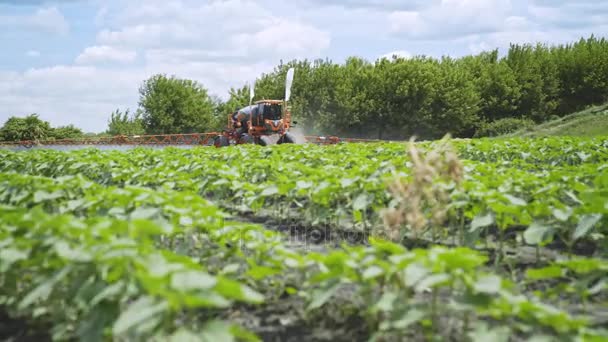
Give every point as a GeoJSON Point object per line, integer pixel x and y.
{"type": "Point", "coordinates": [428, 97]}
{"type": "Point", "coordinates": [67, 132]}
{"type": "Point", "coordinates": [583, 72]}
{"type": "Point", "coordinates": [455, 104]}
{"type": "Point", "coordinates": [29, 128]}
{"type": "Point", "coordinates": [173, 105]}
{"type": "Point", "coordinates": [123, 123]}
{"type": "Point", "coordinates": [496, 84]}
{"type": "Point", "coordinates": [538, 79]}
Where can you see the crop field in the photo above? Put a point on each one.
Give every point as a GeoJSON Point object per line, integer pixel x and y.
{"type": "Point", "coordinates": [463, 240]}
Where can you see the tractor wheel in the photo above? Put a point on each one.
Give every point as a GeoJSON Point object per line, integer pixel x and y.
{"type": "Point", "coordinates": [246, 139]}
{"type": "Point", "coordinates": [287, 138]}
{"type": "Point", "coordinates": [265, 141]}
{"type": "Point", "coordinates": [221, 141]}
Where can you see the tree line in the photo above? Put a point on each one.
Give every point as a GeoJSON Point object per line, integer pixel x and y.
{"type": "Point", "coordinates": [470, 96]}
{"type": "Point", "coordinates": [32, 127]}
{"type": "Point", "coordinates": [476, 95]}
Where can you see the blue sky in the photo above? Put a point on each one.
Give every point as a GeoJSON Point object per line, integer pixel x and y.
{"type": "Point", "coordinates": [75, 61]}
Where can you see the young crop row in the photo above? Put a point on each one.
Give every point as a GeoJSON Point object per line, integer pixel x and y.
{"type": "Point", "coordinates": [147, 261]}
{"type": "Point", "coordinates": [90, 278]}
{"type": "Point", "coordinates": [93, 276]}
{"type": "Point", "coordinates": [123, 245]}
{"type": "Point", "coordinates": [554, 193]}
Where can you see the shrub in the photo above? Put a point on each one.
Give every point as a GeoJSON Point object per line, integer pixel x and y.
{"type": "Point", "coordinates": [503, 126]}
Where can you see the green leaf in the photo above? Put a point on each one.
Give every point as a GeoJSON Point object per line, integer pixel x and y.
{"type": "Point", "coordinates": [483, 333]}
{"type": "Point", "coordinates": [360, 202]}
{"type": "Point", "coordinates": [192, 280]}
{"type": "Point", "coordinates": [372, 272]}
{"type": "Point", "coordinates": [346, 182]}
{"type": "Point", "coordinates": [303, 185]}
{"type": "Point", "coordinates": [75, 204]}
{"type": "Point", "coordinates": [386, 301]}
{"type": "Point", "coordinates": [108, 292]}
{"type": "Point", "coordinates": [549, 272]}
{"type": "Point", "coordinates": [414, 273]}
{"type": "Point", "coordinates": [185, 335]}
{"type": "Point", "coordinates": [230, 268]}
{"type": "Point", "coordinates": [64, 250]}
{"type": "Point", "coordinates": [92, 326]}
{"type": "Point", "coordinates": [432, 281]}
{"type": "Point", "coordinates": [562, 215]}
{"type": "Point", "coordinates": [412, 316]}
{"type": "Point", "coordinates": [515, 200]}
{"type": "Point", "coordinates": [158, 266]}
{"type": "Point", "coordinates": [585, 224]}
{"type": "Point", "coordinates": [320, 296]}
{"type": "Point", "coordinates": [217, 331]}
{"type": "Point", "coordinates": [489, 284]}
{"type": "Point", "coordinates": [270, 190]}
{"type": "Point", "coordinates": [541, 338]}
{"type": "Point", "coordinates": [9, 256]}
{"type": "Point", "coordinates": [232, 289]}
{"type": "Point", "coordinates": [260, 272]}
{"type": "Point", "coordinates": [138, 312]}
{"type": "Point", "coordinates": [480, 221]}
{"type": "Point", "coordinates": [41, 195]}
{"type": "Point", "coordinates": [144, 213]}
{"type": "Point", "coordinates": [535, 234]}
{"type": "Point", "coordinates": [43, 290]}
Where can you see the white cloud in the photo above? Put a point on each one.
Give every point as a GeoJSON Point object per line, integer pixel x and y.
{"type": "Point", "coordinates": [33, 53]}
{"type": "Point", "coordinates": [282, 38]}
{"type": "Point", "coordinates": [376, 4]}
{"type": "Point", "coordinates": [569, 15]}
{"type": "Point", "coordinates": [398, 54]}
{"type": "Point", "coordinates": [224, 43]}
{"type": "Point", "coordinates": [86, 95]}
{"type": "Point", "coordinates": [220, 44]}
{"type": "Point", "coordinates": [451, 18]}
{"type": "Point", "coordinates": [81, 95]}
{"type": "Point", "coordinates": [104, 53]}
{"type": "Point", "coordinates": [100, 17]}
{"type": "Point", "coordinates": [49, 20]}
{"type": "Point", "coordinates": [242, 28]}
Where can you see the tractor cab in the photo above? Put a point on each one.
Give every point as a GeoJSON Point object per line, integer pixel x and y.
{"type": "Point", "coordinates": [270, 110]}
{"type": "Point", "coordinates": [261, 111]}
{"type": "Point", "coordinates": [263, 117]}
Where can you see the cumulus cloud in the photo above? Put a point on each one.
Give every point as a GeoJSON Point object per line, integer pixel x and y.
{"type": "Point", "coordinates": [544, 21]}
{"type": "Point", "coordinates": [82, 95]}
{"type": "Point", "coordinates": [282, 38]}
{"type": "Point", "coordinates": [396, 54]}
{"type": "Point", "coordinates": [232, 27]}
{"type": "Point", "coordinates": [86, 95]}
{"type": "Point", "coordinates": [104, 53]}
{"type": "Point", "coordinates": [34, 2]}
{"type": "Point", "coordinates": [376, 4]}
{"type": "Point", "coordinates": [49, 20]}
{"type": "Point", "coordinates": [224, 43]}
{"type": "Point", "coordinates": [569, 15]}
{"type": "Point", "coordinates": [451, 18]}
{"type": "Point", "coordinates": [33, 53]}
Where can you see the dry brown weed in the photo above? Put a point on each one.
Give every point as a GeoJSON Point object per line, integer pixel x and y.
{"type": "Point", "coordinates": [422, 199]}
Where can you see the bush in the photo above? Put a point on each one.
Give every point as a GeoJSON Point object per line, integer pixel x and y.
{"type": "Point", "coordinates": [503, 126]}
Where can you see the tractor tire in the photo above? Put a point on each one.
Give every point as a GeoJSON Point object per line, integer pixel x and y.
{"type": "Point", "coordinates": [287, 138]}
{"type": "Point", "coordinates": [246, 139]}
{"type": "Point", "coordinates": [265, 141]}
{"type": "Point", "coordinates": [221, 141]}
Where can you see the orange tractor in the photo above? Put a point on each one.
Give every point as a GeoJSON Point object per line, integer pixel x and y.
{"type": "Point", "coordinates": [265, 122]}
